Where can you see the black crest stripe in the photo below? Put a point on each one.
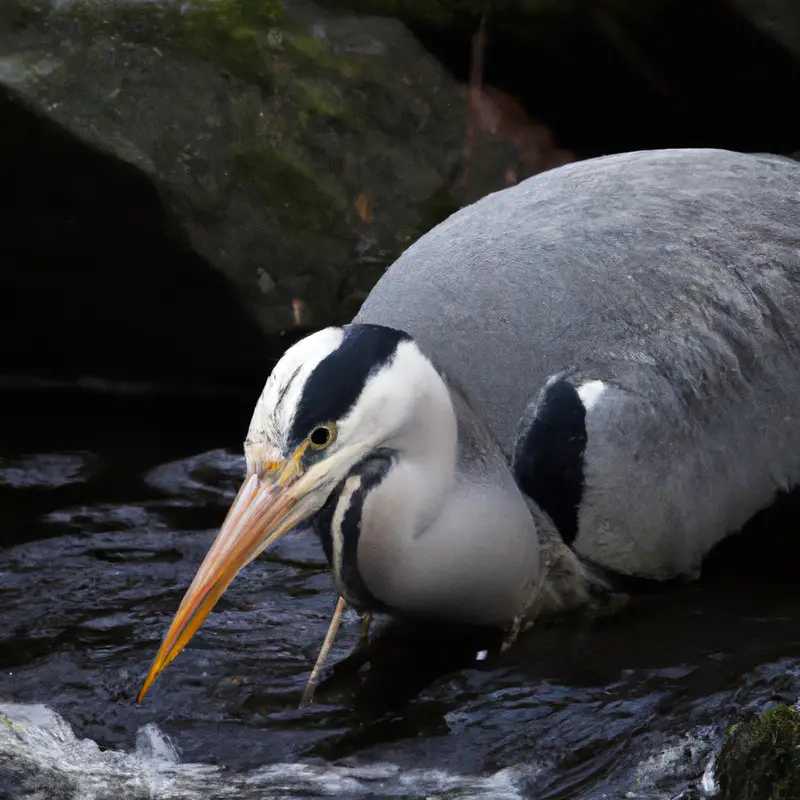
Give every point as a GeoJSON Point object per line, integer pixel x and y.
{"type": "Point", "coordinates": [337, 381]}
{"type": "Point", "coordinates": [284, 390]}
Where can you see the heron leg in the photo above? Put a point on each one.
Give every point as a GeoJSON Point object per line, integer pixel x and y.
{"type": "Point", "coordinates": [308, 694]}
{"type": "Point", "coordinates": [366, 622]}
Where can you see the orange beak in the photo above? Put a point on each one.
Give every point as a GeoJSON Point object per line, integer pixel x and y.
{"type": "Point", "coordinates": [262, 513]}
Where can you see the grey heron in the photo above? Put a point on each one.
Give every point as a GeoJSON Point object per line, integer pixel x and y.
{"type": "Point", "coordinates": [594, 373]}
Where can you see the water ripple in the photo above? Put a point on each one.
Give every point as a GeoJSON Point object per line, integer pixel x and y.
{"type": "Point", "coordinates": [627, 707]}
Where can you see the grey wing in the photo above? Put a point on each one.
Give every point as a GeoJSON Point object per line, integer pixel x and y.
{"type": "Point", "coordinates": [644, 480]}
{"type": "Point", "coordinates": [671, 281]}
{"type": "Point", "coordinates": [680, 258]}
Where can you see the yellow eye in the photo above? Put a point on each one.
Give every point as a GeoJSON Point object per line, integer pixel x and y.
{"type": "Point", "coordinates": [322, 436]}
{"type": "Point", "coordinates": [272, 466]}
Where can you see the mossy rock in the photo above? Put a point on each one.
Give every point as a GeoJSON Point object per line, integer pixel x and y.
{"type": "Point", "coordinates": [299, 151]}
{"type": "Point", "coordinates": [761, 758]}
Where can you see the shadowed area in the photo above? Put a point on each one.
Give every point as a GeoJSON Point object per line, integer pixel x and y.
{"type": "Point", "coordinates": [94, 277]}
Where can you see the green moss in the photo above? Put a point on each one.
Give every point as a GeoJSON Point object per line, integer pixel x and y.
{"type": "Point", "coordinates": [254, 41]}
{"type": "Point", "coordinates": [312, 49]}
{"type": "Point", "coordinates": [278, 178]}
{"type": "Point", "coordinates": [251, 40]}
{"type": "Point", "coordinates": [319, 97]}
{"type": "Point", "coordinates": [313, 56]}
{"type": "Point", "coordinates": [239, 35]}
{"type": "Point", "coordinates": [761, 758]}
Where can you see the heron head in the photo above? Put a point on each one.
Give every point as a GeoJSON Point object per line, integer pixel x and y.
{"type": "Point", "coordinates": [334, 400]}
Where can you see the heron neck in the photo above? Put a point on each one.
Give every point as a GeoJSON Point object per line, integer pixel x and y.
{"type": "Point", "coordinates": [462, 542]}
{"type": "Point", "coordinates": [457, 542]}
{"type": "Point", "coordinates": [557, 579]}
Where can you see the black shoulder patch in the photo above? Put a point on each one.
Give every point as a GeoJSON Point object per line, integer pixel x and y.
{"type": "Point", "coordinates": [337, 381]}
{"type": "Point", "coordinates": [548, 455]}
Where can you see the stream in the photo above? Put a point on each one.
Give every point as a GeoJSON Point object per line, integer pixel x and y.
{"type": "Point", "coordinates": [110, 495]}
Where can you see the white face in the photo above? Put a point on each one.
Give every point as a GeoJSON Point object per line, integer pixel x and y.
{"type": "Point", "coordinates": [372, 404]}
{"type": "Point", "coordinates": [268, 436]}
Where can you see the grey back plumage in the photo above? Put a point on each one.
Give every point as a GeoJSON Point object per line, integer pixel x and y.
{"type": "Point", "coordinates": [672, 276]}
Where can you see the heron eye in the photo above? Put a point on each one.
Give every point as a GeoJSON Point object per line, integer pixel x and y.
{"type": "Point", "coordinates": [321, 436]}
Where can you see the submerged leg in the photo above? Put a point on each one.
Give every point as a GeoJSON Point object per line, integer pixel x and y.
{"type": "Point", "coordinates": [366, 621]}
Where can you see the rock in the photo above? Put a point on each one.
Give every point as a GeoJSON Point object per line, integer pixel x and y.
{"type": "Point", "coordinates": [299, 151]}
{"type": "Point", "coordinates": [761, 758]}
{"type": "Point", "coordinates": [95, 282]}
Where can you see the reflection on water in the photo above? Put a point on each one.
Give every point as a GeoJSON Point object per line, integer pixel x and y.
{"type": "Point", "coordinates": [109, 504]}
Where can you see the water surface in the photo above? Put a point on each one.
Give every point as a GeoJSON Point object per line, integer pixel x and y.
{"type": "Point", "coordinates": [109, 498]}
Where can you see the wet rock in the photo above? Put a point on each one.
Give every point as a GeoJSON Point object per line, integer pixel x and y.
{"type": "Point", "coordinates": [45, 470]}
{"type": "Point", "coordinates": [298, 150]}
{"type": "Point", "coordinates": [214, 476]}
{"type": "Point", "coordinates": [105, 517]}
{"type": "Point", "coordinates": [761, 758]}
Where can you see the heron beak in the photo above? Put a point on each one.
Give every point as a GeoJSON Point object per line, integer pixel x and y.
{"type": "Point", "coordinates": [263, 512]}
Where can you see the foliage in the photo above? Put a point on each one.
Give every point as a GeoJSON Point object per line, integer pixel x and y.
{"type": "Point", "coordinates": [761, 758]}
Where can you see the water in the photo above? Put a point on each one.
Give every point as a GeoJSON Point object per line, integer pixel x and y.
{"type": "Point", "coordinates": [109, 498]}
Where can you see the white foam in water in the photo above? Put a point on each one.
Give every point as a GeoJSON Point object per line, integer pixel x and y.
{"type": "Point", "coordinates": [44, 760]}
{"type": "Point", "coordinates": [153, 745]}
{"type": "Point", "coordinates": [708, 783]}
{"type": "Point", "coordinates": [679, 760]}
